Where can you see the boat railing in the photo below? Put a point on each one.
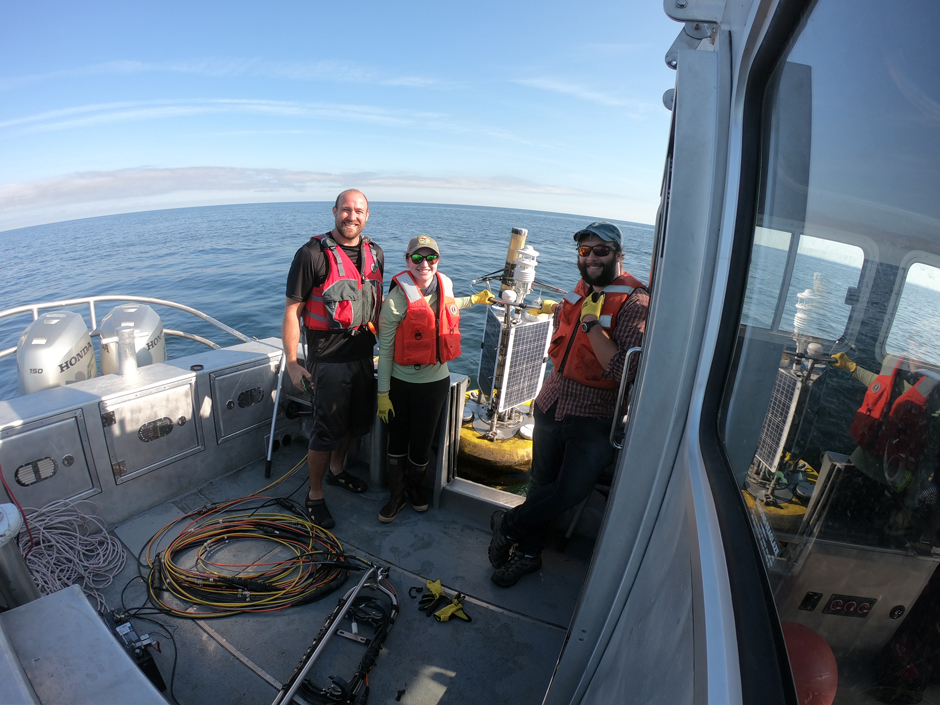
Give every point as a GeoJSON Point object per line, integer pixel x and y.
{"type": "Point", "coordinates": [90, 301]}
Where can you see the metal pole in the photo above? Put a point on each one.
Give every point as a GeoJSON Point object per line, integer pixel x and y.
{"type": "Point", "coordinates": [350, 596]}
{"type": "Point", "coordinates": [277, 398]}
{"type": "Point", "coordinates": [127, 351]}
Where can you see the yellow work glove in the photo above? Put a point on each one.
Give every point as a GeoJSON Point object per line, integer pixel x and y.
{"type": "Point", "coordinates": [433, 598]}
{"type": "Point", "coordinates": [484, 296]}
{"type": "Point", "coordinates": [592, 305]}
{"type": "Point", "coordinates": [547, 305]}
{"type": "Point", "coordinates": [843, 362]}
{"type": "Point", "coordinates": [385, 407]}
{"type": "Point", "coordinates": [454, 609]}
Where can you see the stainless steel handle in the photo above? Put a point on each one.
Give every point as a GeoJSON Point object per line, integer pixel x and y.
{"type": "Point", "coordinates": [623, 385]}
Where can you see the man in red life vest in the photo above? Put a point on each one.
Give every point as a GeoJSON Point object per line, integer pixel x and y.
{"type": "Point", "coordinates": [898, 438]}
{"type": "Point", "coordinates": [595, 325]}
{"type": "Point", "coordinates": [334, 289]}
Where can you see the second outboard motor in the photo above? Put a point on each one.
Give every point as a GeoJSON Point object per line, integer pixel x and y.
{"type": "Point", "coordinates": [149, 340]}
{"type": "Point", "coordinates": [54, 350]}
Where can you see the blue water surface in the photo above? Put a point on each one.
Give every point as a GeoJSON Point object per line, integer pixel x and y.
{"type": "Point", "coordinates": [231, 262]}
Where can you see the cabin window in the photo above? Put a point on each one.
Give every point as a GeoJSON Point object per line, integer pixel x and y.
{"type": "Point", "coordinates": [817, 274]}
{"type": "Point", "coordinates": [837, 460]}
{"type": "Point", "coordinates": [917, 319]}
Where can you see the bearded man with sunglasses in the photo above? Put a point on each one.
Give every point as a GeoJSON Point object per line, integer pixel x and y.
{"type": "Point", "coordinates": [595, 325]}
{"type": "Point", "coordinates": [334, 289]}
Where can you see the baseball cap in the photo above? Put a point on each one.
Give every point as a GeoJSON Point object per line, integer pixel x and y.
{"type": "Point", "coordinates": [422, 241]}
{"type": "Point", "coordinates": [603, 230]}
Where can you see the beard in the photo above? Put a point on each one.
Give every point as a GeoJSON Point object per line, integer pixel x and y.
{"type": "Point", "coordinates": [607, 275]}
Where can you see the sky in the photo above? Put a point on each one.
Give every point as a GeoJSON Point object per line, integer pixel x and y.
{"type": "Point", "coordinates": [116, 107]}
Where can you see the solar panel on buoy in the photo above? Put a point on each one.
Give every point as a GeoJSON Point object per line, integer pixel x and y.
{"type": "Point", "coordinates": [526, 358]}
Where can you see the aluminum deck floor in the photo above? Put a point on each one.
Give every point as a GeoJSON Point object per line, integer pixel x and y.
{"type": "Point", "coordinates": [505, 655]}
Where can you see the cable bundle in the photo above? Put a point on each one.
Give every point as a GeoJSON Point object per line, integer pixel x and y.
{"type": "Point", "coordinates": [194, 569]}
{"type": "Point", "coordinates": [61, 552]}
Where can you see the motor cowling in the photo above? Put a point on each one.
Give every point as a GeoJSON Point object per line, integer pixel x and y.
{"type": "Point", "coordinates": [53, 351]}
{"type": "Point", "coordinates": [149, 341]}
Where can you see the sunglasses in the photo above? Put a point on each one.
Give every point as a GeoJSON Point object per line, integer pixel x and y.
{"type": "Point", "coordinates": [599, 250]}
{"type": "Point", "coordinates": [418, 259]}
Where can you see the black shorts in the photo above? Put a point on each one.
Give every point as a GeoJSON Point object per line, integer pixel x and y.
{"type": "Point", "coordinates": [344, 402]}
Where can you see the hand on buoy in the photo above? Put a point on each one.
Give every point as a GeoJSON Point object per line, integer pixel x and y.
{"type": "Point", "coordinates": [484, 296]}
{"type": "Point", "coordinates": [548, 307]}
{"type": "Point", "coordinates": [843, 362]}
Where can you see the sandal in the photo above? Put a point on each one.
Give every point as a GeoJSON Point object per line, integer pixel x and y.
{"type": "Point", "coordinates": [347, 480]}
{"type": "Point", "coordinates": [319, 514]}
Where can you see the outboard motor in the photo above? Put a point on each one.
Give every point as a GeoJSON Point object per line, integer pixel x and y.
{"type": "Point", "coordinates": [148, 336]}
{"type": "Point", "coordinates": [53, 351]}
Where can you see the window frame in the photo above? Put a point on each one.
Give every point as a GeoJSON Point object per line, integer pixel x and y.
{"type": "Point", "coordinates": [764, 664]}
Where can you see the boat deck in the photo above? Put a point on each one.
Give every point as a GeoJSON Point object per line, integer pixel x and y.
{"type": "Point", "coordinates": [506, 654]}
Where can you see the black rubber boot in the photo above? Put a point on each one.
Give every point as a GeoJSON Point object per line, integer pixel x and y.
{"type": "Point", "coordinates": [396, 487]}
{"type": "Point", "coordinates": [414, 486]}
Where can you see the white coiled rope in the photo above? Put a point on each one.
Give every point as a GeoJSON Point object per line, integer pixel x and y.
{"type": "Point", "coordinates": [65, 551]}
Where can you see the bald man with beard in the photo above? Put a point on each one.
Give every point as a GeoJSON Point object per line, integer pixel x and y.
{"type": "Point", "coordinates": [334, 293]}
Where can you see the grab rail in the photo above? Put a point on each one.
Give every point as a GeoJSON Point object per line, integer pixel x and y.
{"type": "Point", "coordinates": [625, 418]}
{"type": "Point", "coordinates": [92, 300]}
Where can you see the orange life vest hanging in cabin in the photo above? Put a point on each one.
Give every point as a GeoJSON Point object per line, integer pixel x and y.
{"type": "Point", "coordinates": [890, 423]}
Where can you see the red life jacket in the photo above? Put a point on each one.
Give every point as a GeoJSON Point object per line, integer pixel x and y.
{"type": "Point", "coordinates": [890, 426]}
{"type": "Point", "coordinates": [571, 351]}
{"type": "Point", "coordinates": [348, 299]}
{"type": "Point", "coordinates": [420, 339]}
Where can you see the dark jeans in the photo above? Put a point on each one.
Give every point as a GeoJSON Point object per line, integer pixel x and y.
{"type": "Point", "coordinates": [568, 457]}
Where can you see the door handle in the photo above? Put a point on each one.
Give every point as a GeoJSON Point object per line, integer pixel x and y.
{"type": "Point", "coordinates": [618, 418]}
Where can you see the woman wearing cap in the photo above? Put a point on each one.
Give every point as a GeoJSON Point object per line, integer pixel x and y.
{"type": "Point", "coordinates": [418, 334]}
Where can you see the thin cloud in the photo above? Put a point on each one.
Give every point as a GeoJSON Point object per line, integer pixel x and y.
{"type": "Point", "coordinates": [616, 49]}
{"type": "Point", "coordinates": [148, 182]}
{"type": "Point", "coordinates": [581, 93]}
{"type": "Point", "coordinates": [326, 70]}
{"type": "Point", "coordinates": [107, 113]}
{"type": "Point", "coordinates": [112, 113]}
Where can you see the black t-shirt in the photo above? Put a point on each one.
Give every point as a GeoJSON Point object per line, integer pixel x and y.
{"type": "Point", "coordinates": [310, 268]}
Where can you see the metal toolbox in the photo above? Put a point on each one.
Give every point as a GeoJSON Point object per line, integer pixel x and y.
{"type": "Point", "coordinates": [48, 459]}
{"type": "Point", "coordinates": [243, 397]}
{"type": "Point", "coordinates": [151, 428]}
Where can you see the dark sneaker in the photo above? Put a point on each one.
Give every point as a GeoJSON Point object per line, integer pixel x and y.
{"type": "Point", "coordinates": [519, 564]}
{"type": "Point", "coordinates": [498, 552]}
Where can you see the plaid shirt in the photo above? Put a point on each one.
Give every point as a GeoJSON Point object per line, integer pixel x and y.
{"type": "Point", "coordinates": [579, 399]}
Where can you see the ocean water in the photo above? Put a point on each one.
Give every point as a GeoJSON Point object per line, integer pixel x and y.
{"type": "Point", "coordinates": [231, 262]}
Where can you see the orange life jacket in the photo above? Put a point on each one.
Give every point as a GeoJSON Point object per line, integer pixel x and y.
{"type": "Point", "coordinates": [571, 351]}
{"type": "Point", "coordinates": [893, 425]}
{"type": "Point", "coordinates": [420, 339]}
{"type": "Point", "coordinates": [348, 299]}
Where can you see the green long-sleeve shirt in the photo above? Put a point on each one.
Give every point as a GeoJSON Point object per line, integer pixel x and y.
{"type": "Point", "coordinates": [393, 313]}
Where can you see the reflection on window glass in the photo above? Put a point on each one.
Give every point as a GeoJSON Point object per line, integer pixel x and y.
{"type": "Point", "coordinates": [916, 325]}
{"type": "Point", "coordinates": [822, 274]}
{"type": "Point", "coordinates": [768, 262]}
{"type": "Point", "coordinates": [833, 439]}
